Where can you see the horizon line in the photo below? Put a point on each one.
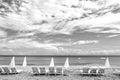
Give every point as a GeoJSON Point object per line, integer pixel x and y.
{"type": "Point", "coordinates": [63, 55]}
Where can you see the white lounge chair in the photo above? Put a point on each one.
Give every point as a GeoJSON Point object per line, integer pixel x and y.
{"type": "Point", "coordinates": [35, 71]}
{"type": "Point", "coordinates": [101, 71]}
{"type": "Point", "coordinates": [59, 71]}
{"type": "Point", "coordinates": [15, 71]}
{"type": "Point", "coordinates": [93, 72]}
{"type": "Point", "coordinates": [85, 72]}
{"type": "Point", "coordinates": [51, 71]}
{"type": "Point", "coordinates": [43, 71]}
{"type": "Point", "coordinates": [6, 70]}
{"type": "Point", "coordinates": [1, 70]}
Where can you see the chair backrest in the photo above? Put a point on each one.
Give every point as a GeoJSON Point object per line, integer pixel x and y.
{"type": "Point", "coordinates": [93, 71]}
{"type": "Point", "coordinates": [52, 70]}
{"type": "Point", "coordinates": [35, 70]}
{"type": "Point", "coordinates": [6, 70]}
{"type": "Point", "coordinates": [1, 70]}
{"type": "Point", "coordinates": [42, 70]}
{"type": "Point", "coordinates": [101, 71]}
{"type": "Point", "coordinates": [59, 70]}
{"type": "Point", "coordinates": [13, 70]}
{"type": "Point", "coordinates": [85, 70]}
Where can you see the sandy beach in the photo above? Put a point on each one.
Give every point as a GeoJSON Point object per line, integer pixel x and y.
{"type": "Point", "coordinates": [29, 76]}
{"type": "Point", "coordinates": [72, 74]}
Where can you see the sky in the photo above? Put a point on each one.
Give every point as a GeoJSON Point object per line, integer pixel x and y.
{"type": "Point", "coordinates": [64, 27]}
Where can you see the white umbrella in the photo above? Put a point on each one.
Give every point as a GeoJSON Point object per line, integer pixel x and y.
{"type": "Point", "coordinates": [24, 62]}
{"type": "Point", "coordinates": [107, 63]}
{"type": "Point", "coordinates": [12, 63]}
{"type": "Point", "coordinates": [52, 62]}
{"type": "Point", "coordinates": [66, 65]}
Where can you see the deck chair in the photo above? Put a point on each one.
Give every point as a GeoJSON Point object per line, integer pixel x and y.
{"type": "Point", "coordinates": [116, 73]}
{"type": "Point", "coordinates": [1, 71]}
{"type": "Point", "coordinates": [14, 70]}
{"type": "Point", "coordinates": [6, 70]}
{"type": "Point", "coordinates": [59, 71]}
{"type": "Point", "coordinates": [93, 72]}
{"type": "Point", "coordinates": [101, 71]}
{"type": "Point", "coordinates": [42, 71]}
{"type": "Point", "coordinates": [85, 71]}
{"type": "Point", "coordinates": [51, 71]}
{"type": "Point", "coordinates": [35, 71]}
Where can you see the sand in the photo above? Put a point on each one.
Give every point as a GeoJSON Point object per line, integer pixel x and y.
{"type": "Point", "coordinates": [72, 75]}
{"type": "Point", "coordinates": [28, 76]}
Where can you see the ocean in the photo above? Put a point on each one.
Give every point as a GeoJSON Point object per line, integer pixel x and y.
{"type": "Point", "coordinates": [60, 60]}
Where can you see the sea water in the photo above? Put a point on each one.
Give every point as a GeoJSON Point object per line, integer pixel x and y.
{"type": "Point", "coordinates": [60, 60]}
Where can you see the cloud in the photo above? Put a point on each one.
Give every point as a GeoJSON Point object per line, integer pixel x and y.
{"type": "Point", "coordinates": [16, 22]}
{"type": "Point", "coordinates": [55, 18]}
{"type": "Point", "coordinates": [25, 43]}
{"type": "Point", "coordinates": [59, 45]}
{"type": "Point", "coordinates": [69, 51]}
{"type": "Point", "coordinates": [86, 42]}
{"type": "Point", "coordinates": [89, 52]}
{"type": "Point", "coordinates": [113, 2]}
{"type": "Point", "coordinates": [107, 19]}
{"type": "Point", "coordinates": [111, 36]}
{"type": "Point", "coordinates": [3, 34]}
{"type": "Point", "coordinates": [25, 34]}
{"type": "Point", "coordinates": [59, 17]}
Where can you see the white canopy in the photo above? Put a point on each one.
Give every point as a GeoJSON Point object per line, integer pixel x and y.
{"type": "Point", "coordinates": [66, 65]}
{"type": "Point", "coordinates": [24, 62]}
{"type": "Point", "coordinates": [107, 63]}
{"type": "Point", "coordinates": [12, 63]}
{"type": "Point", "coordinates": [52, 62]}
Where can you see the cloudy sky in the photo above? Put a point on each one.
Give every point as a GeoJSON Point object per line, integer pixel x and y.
{"type": "Point", "coordinates": [64, 27]}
